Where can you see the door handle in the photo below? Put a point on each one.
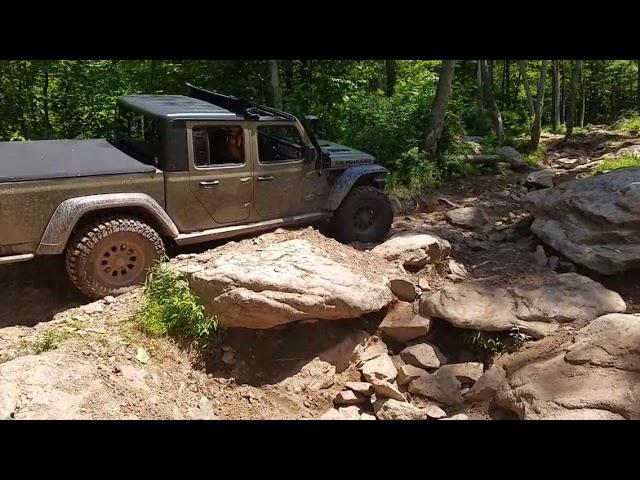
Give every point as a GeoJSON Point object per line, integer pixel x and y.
{"type": "Point", "coordinates": [265, 179]}
{"type": "Point", "coordinates": [245, 179]}
{"type": "Point", "coordinates": [210, 184]}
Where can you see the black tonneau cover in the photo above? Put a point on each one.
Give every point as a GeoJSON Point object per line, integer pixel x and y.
{"type": "Point", "coordinates": [47, 159]}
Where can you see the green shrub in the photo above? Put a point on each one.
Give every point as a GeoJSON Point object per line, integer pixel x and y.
{"type": "Point", "coordinates": [630, 124]}
{"type": "Point", "coordinates": [496, 342]}
{"type": "Point", "coordinates": [412, 172]}
{"type": "Point", "coordinates": [534, 158]}
{"type": "Point", "coordinates": [626, 161]}
{"type": "Point", "coordinates": [171, 308]}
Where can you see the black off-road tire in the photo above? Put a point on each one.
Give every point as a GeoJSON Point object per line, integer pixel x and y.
{"type": "Point", "coordinates": [364, 216]}
{"type": "Point", "coordinates": [112, 255]}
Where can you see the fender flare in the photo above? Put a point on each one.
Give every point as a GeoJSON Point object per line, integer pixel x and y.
{"type": "Point", "coordinates": [70, 212]}
{"type": "Point", "coordinates": [347, 180]}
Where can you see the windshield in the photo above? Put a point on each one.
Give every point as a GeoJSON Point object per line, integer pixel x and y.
{"type": "Point", "coordinates": [138, 134]}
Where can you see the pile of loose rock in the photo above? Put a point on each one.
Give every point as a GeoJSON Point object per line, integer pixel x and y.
{"type": "Point", "coordinates": [416, 384]}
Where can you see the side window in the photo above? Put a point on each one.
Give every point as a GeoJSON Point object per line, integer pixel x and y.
{"type": "Point", "coordinates": [217, 146]}
{"type": "Point", "coordinates": [279, 143]}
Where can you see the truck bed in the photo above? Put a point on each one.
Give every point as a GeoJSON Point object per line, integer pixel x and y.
{"type": "Point", "coordinates": [49, 159]}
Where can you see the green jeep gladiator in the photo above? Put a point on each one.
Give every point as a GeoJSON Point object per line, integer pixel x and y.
{"type": "Point", "coordinates": [179, 170]}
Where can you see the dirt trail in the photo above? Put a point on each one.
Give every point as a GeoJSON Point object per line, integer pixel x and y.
{"type": "Point", "coordinates": [291, 372]}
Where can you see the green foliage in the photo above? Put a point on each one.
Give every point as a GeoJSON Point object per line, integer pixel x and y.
{"type": "Point", "coordinates": [412, 172]}
{"type": "Point", "coordinates": [496, 342]}
{"type": "Point", "coordinates": [49, 340]}
{"type": "Point", "coordinates": [534, 158]}
{"type": "Point", "coordinates": [171, 308]}
{"type": "Point", "coordinates": [626, 161]}
{"type": "Point", "coordinates": [629, 124]}
{"type": "Point", "coordinates": [76, 98]}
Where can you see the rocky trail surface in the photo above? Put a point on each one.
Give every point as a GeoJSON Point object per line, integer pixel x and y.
{"type": "Point", "coordinates": [391, 331]}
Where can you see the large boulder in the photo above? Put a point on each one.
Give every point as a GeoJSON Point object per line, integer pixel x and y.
{"type": "Point", "coordinates": [413, 249]}
{"type": "Point", "coordinates": [595, 377]}
{"type": "Point", "coordinates": [535, 308]}
{"type": "Point", "coordinates": [594, 222]}
{"type": "Point", "coordinates": [279, 283]}
{"type": "Point", "coordinates": [513, 157]}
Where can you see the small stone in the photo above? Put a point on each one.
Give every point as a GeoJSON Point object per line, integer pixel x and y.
{"type": "Point", "coordinates": [367, 416]}
{"type": "Point", "coordinates": [564, 266]}
{"type": "Point", "coordinates": [227, 348]}
{"type": "Point", "coordinates": [459, 416]}
{"type": "Point", "coordinates": [439, 388]}
{"type": "Point", "coordinates": [349, 413]}
{"type": "Point", "coordinates": [553, 263]}
{"type": "Point", "coordinates": [387, 390]}
{"type": "Point", "coordinates": [381, 368]}
{"type": "Point", "coordinates": [349, 397]}
{"type": "Point", "coordinates": [91, 308]}
{"type": "Point", "coordinates": [397, 361]}
{"type": "Point", "coordinates": [458, 270]}
{"type": "Point", "coordinates": [109, 299]}
{"type": "Point", "coordinates": [423, 355]}
{"type": "Point", "coordinates": [390, 409]}
{"type": "Point", "coordinates": [229, 357]}
{"type": "Point", "coordinates": [79, 318]}
{"type": "Point", "coordinates": [403, 323]}
{"type": "Point", "coordinates": [116, 369]}
{"type": "Point", "coordinates": [141, 355]}
{"type": "Point", "coordinates": [423, 283]}
{"type": "Point", "coordinates": [86, 353]}
{"type": "Point", "coordinates": [435, 411]}
{"type": "Point", "coordinates": [408, 373]}
{"type": "Point", "coordinates": [540, 256]}
{"type": "Point", "coordinates": [466, 217]}
{"type": "Point", "coordinates": [404, 289]}
{"type": "Point", "coordinates": [372, 348]}
{"type": "Point", "coordinates": [363, 388]}
{"type": "Point", "coordinates": [487, 385]}
{"type": "Point", "coordinates": [466, 373]}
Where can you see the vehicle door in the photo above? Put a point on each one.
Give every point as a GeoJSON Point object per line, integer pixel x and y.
{"type": "Point", "coordinates": [285, 183]}
{"type": "Point", "coordinates": [220, 177]}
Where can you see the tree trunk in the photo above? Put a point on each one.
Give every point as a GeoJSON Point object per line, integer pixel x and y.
{"type": "Point", "coordinates": [479, 87]}
{"type": "Point", "coordinates": [522, 65]}
{"type": "Point", "coordinates": [288, 74]}
{"type": "Point", "coordinates": [638, 86]}
{"type": "Point", "coordinates": [555, 92]}
{"type": "Point", "coordinates": [151, 79]}
{"type": "Point", "coordinates": [490, 100]}
{"type": "Point", "coordinates": [537, 120]}
{"type": "Point", "coordinates": [439, 107]}
{"type": "Point", "coordinates": [390, 68]}
{"type": "Point", "coordinates": [563, 90]}
{"type": "Point", "coordinates": [276, 92]}
{"type": "Point", "coordinates": [583, 98]}
{"type": "Point", "coordinates": [573, 87]}
{"type": "Point", "coordinates": [45, 97]}
{"type": "Point", "coordinates": [506, 76]}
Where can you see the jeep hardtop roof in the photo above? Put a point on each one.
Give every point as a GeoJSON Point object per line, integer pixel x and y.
{"type": "Point", "coordinates": [202, 105]}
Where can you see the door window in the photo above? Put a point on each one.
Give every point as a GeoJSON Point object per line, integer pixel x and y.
{"type": "Point", "coordinates": [217, 146]}
{"type": "Point", "coordinates": [279, 143]}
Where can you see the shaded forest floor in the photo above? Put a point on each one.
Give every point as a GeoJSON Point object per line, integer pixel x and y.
{"type": "Point", "coordinates": [287, 373]}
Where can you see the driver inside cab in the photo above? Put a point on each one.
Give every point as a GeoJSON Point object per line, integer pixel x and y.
{"type": "Point", "coordinates": [227, 146]}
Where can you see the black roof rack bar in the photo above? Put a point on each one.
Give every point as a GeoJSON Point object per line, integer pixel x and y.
{"type": "Point", "coordinates": [233, 104]}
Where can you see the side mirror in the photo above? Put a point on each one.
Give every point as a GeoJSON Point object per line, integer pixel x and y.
{"type": "Point", "coordinates": [310, 154]}
{"type": "Point", "coordinates": [311, 123]}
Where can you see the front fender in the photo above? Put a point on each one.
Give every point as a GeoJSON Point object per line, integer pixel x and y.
{"type": "Point", "coordinates": [346, 181]}
{"type": "Point", "coordinates": [71, 211]}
